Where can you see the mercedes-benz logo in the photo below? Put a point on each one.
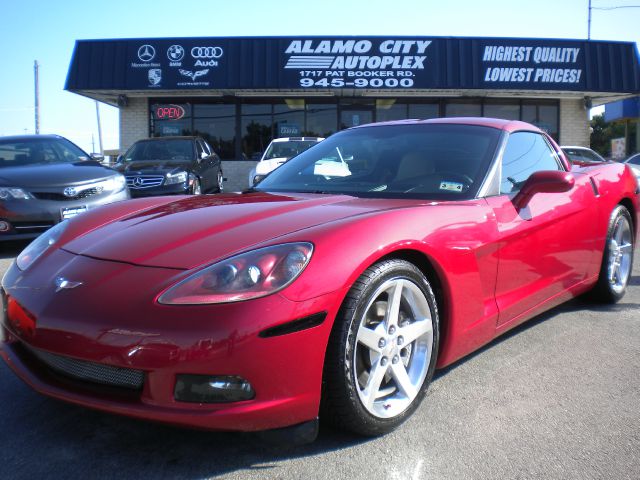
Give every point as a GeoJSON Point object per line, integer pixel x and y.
{"type": "Point", "coordinates": [137, 182]}
{"type": "Point", "coordinates": [175, 53]}
{"type": "Point", "coordinates": [70, 192]}
{"type": "Point", "coordinates": [146, 53]}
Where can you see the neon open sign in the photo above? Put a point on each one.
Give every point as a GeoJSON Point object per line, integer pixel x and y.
{"type": "Point", "coordinates": [169, 112]}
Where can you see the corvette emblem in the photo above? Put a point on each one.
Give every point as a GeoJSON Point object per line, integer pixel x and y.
{"type": "Point", "coordinates": [64, 284]}
{"type": "Point", "coordinates": [194, 75]}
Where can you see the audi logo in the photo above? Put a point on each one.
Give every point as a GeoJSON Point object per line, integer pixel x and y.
{"type": "Point", "coordinates": [206, 52]}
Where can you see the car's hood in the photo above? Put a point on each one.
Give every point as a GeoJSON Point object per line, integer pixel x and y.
{"type": "Point", "coordinates": [196, 230]}
{"type": "Point", "coordinates": [266, 166]}
{"type": "Point", "coordinates": [57, 175]}
{"type": "Point", "coordinates": [152, 166]}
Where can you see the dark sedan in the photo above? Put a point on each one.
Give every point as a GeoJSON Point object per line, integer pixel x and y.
{"type": "Point", "coordinates": [171, 166]}
{"type": "Point", "coordinates": [45, 179]}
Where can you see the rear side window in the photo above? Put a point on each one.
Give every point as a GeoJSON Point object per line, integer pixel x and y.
{"type": "Point", "coordinates": [526, 153]}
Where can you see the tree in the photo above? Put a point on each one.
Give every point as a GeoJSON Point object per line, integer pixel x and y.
{"type": "Point", "coordinates": [602, 132]}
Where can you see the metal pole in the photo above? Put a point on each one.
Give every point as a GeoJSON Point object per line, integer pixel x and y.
{"type": "Point", "coordinates": [99, 128]}
{"type": "Point", "coordinates": [589, 23]}
{"type": "Point", "coordinates": [37, 96]}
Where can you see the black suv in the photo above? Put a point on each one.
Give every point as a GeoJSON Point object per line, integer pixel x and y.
{"type": "Point", "coordinates": [171, 166]}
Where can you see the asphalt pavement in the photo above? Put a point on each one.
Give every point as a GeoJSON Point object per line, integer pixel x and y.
{"type": "Point", "coordinates": [556, 398]}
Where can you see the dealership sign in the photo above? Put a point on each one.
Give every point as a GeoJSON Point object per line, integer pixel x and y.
{"type": "Point", "coordinates": [359, 63]}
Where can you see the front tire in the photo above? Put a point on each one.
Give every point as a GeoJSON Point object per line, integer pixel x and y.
{"type": "Point", "coordinates": [617, 259]}
{"type": "Point", "coordinates": [382, 351]}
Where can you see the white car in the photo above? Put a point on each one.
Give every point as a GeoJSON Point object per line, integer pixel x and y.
{"type": "Point", "coordinates": [279, 151]}
{"type": "Point", "coordinates": [634, 163]}
{"type": "Point", "coordinates": [582, 154]}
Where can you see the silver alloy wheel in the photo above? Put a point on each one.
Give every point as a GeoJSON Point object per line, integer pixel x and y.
{"type": "Point", "coordinates": [220, 180]}
{"type": "Point", "coordinates": [620, 255]}
{"type": "Point", "coordinates": [197, 188]}
{"type": "Point", "coordinates": [393, 348]}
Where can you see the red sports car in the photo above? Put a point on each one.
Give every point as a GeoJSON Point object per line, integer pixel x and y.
{"type": "Point", "coordinates": [316, 294]}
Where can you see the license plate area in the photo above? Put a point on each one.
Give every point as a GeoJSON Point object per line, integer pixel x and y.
{"type": "Point", "coordinates": [72, 211]}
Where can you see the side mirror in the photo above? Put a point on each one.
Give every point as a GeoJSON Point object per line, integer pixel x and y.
{"type": "Point", "coordinates": [119, 159]}
{"type": "Point", "coordinates": [97, 157]}
{"type": "Point", "coordinates": [203, 155]}
{"type": "Point", "coordinates": [545, 181]}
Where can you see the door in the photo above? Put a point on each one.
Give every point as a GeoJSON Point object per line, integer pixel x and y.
{"type": "Point", "coordinates": [545, 248]}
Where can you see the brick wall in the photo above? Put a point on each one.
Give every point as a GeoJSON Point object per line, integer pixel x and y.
{"type": "Point", "coordinates": [574, 123]}
{"type": "Point", "coordinates": [134, 122]}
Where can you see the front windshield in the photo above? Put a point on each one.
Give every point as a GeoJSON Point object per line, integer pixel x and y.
{"type": "Point", "coordinates": [287, 149]}
{"type": "Point", "coordinates": [180, 150]}
{"type": "Point", "coordinates": [430, 161]}
{"type": "Point", "coordinates": [39, 151]}
{"type": "Point", "coordinates": [634, 160]}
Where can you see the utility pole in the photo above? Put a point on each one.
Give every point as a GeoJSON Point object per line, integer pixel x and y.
{"type": "Point", "coordinates": [99, 128]}
{"type": "Point", "coordinates": [37, 95]}
{"type": "Point", "coordinates": [589, 23]}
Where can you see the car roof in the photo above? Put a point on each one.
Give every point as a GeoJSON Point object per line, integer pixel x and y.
{"type": "Point", "coordinates": [22, 138]}
{"type": "Point", "coordinates": [176, 137]}
{"type": "Point", "coordinates": [499, 123]}
{"type": "Point", "coordinates": [297, 139]}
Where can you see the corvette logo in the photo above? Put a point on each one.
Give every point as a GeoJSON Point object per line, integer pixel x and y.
{"type": "Point", "coordinates": [194, 75]}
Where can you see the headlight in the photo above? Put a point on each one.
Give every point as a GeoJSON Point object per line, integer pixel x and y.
{"type": "Point", "coordinates": [115, 183]}
{"type": "Point", "coordinates": [36, 248]}
{"type": "Point", "coordinates": [7, 193]}
{"type": "Point", "coordinates": [246, 276]}
{"type": "Point", "coordinates": [179, 177]}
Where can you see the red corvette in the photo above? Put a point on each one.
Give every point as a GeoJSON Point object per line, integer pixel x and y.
{"type": "Point", "coordinates": [334, 288]}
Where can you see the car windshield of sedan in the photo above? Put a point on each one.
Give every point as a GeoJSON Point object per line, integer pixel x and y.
{"type": "Point", "coordinates": [287, 149]}
{"type": "Point", "coordinates": [36, 151]}
{"type": "Point", "coordinates": [179, 150]}
{"type": "Point", "coordinates": [426, 161]}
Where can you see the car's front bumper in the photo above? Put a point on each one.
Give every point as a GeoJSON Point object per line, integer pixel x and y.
{"type": "Point", "coordinates": [113, 319]}
{"type": "Point", "coordinates": [29, 218]}
{"type": "Point", "coordinates": [173, 189]}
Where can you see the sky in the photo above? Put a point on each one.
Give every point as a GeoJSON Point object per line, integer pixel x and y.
{"type": "Point", "coordinates": [46, 31]}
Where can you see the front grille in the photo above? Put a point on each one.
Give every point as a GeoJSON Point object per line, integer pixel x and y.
{"type": "Point", "coordinates": [60, 197]}
{"type": "Point", "coordinates": [90, 371]}
{"type": "Point", "coordinates": [144, 181]}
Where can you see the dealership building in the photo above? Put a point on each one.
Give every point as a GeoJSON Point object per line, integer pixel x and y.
{"type": "Point", "coordinates": [239, 93]}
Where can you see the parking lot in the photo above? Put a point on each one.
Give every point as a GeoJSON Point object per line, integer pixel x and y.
{"type": "Point", "coordinates": [555, 398]}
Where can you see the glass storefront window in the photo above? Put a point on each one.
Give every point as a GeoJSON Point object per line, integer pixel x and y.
{"type": "Point", "coordinates": [216, 123]}
{"type": "Point", "coordinates": [388, 109]}
{"type": "Point", "coordinates": [322, 119]}
{"type": "Point", "coordinates": [501, 109]}
{"type": "Point", "coordinates": [288, 117]}
{"type": "Point", "coordinates": [424, 111]}
{"type": "Point", "coordinates": [255, 129]}
{"type": "Point", "coordinates": [463, 108]}
{"type": "Point", "coordinates": [543, 115]}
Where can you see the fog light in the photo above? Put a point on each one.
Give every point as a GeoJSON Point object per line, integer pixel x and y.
{"type": "Point", "coordinates": [212, 389]}
{"type": "Point", "coordinates": [4, 226]}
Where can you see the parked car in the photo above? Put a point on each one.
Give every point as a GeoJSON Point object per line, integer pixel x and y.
{"type": "Point", "coordinates": [634, 163]}
{"type": "Point", "coordinates": [318, 295]}
{"type": "Point", "coordinates": [45, 179]}
{"type": "Point", "coordinates": [582, 155]}
{"type": "Point", "coordinates": [279, 151]}
{"type": "Point", "coordinates": [171, 166]}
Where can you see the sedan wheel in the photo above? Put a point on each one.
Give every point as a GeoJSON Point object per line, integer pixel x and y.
{"type": "Point", "coordinates": [617, 260]}
{"type": "Point", "coordinates": [196, 188]}
{"type": "Point", "coordinates": [220, 181]}
{"type": "Point", "coordinates": [383, 350]}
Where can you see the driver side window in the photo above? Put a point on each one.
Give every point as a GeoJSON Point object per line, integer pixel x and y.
{"type": "Point", "coordinates": [526, 153]}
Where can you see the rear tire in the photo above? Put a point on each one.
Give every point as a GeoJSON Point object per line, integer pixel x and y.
{"type": "Point", "coordinates": [617, 258]}
{"type": "Point", "coordinates": [382, 350]}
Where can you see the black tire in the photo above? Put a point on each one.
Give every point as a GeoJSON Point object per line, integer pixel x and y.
{"type": "Point", "coordinates": [342, 404]}
{"type": "Point", "coordinates": [608, 289]}
{"type": "Point", "coordinates": [196, 188]}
